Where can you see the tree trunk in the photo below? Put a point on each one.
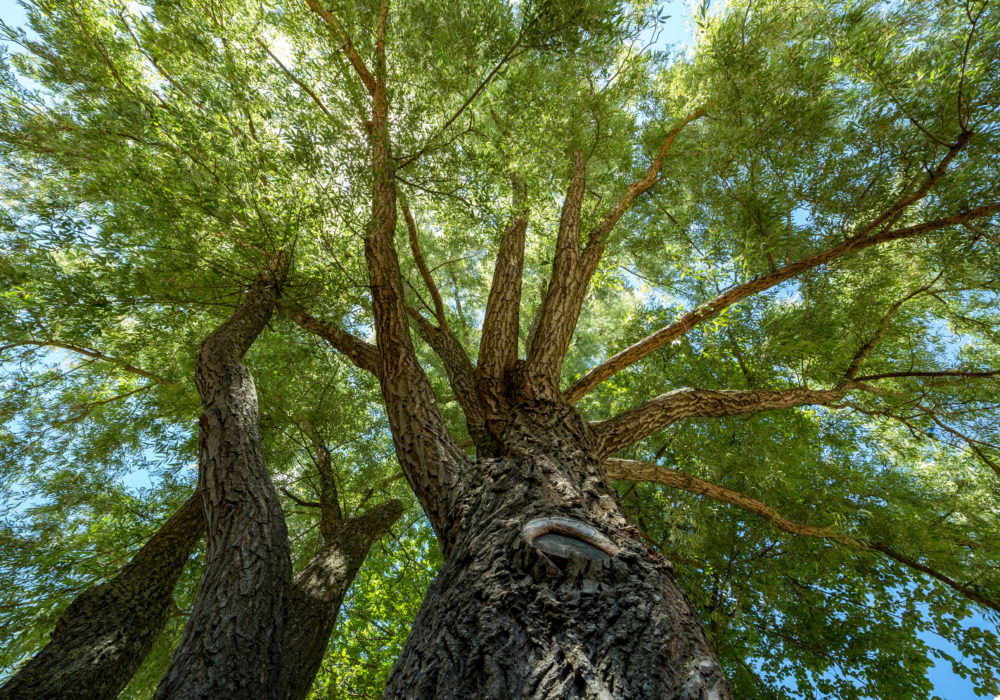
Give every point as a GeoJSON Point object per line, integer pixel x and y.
{"type": "Point", "coordinates": [319, 590]}
{"type": "Point", "coordinates": [232, 643]}
{"type": "Point", "coordinates": [548, 591]}
{"type": "Point", "coordinates": [106, 633]}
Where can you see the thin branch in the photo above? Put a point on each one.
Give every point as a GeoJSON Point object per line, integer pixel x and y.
{"type": "Point", "coordinates": [630, 470]}
{"type": "Point", "coordinates": [653, 342]}
{"type": "Point", "coordinates": [291, 76]}
{"type": "Point", "coordinates": [425, 274]}
{"type": "Point", "coordinates": [867, 348]}
{"type": "Point", "coordinates": [87, 352]}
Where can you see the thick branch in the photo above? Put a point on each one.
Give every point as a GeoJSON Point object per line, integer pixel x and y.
{"type": "Point", "coordinates": [501, 324]}
{"type": "Point", "coordinates": [104, 635]}
{"type": "Point", "coordinates": [630, 470]}
{"type": "Point", "coordinates": [364, 355]}
{"type": "Point", "coordinates": [573, 270]}
{"type": "Point", "coordinates": [329, 502]}
{"type": "Point", "coordinates": [681, 326]}
{"type": "Point", "coordinates": [461, 378]}
{"type": "Point", "coordinates": [557, 318]}
{"type": "Point", "coordinates": [635, 424]}
{"type": "Point", "coordinates": [347, 46]}
{"type": "Point", "coordinates": [426, 450]}
{"type": "Point", "coordinates": [319, 590]}
{"type": "Point", "coordinates": [232, 642]}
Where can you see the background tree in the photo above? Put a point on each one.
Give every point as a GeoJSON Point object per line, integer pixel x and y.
{"type": "Point", "coordinates": [754, 285]}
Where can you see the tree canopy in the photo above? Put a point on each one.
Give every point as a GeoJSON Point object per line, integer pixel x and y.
{"type": "Point", "coordinates": [788, 349]}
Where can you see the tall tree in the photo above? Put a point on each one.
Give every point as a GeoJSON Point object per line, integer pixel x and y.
{"type": "Point", "coordinates": [689, 359]}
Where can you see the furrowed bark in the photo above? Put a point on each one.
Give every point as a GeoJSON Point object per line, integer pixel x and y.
{"type": "Point", "coordinates": [638, 423]}
{"type": "Point", "coordinates": [231, 646]}
{"type": "Point", "coordinates": [105, 634]}
{"type": "Point", "coordinates": [551, 339]}
{"type": "Point", "coordinates": [364, 355]}
{"type": "Point", "coordinates": [631, 470]}
{"type": "Point", "coordinates": [462, 379]}
{"type": "Point", "coordinates": [573, 270]}
{"type": "Point", "coordinates": [458, 367]}
{"type": "Point", "coordinates": [653, 342]}
{"type": "Point", "coordinates": [319, 590]}
{"type": "Point", "coordinates": [430, 458]}
{"type": "Point", "coordinates": [590, 612]}
{"type": "Point", "coordinates": [501, 324]}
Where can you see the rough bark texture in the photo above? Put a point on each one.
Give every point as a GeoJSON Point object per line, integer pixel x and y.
{"type": "Point", "coordinates": [506, 620]}
{"type": "Point", "coordinates": [501, 323]}
{"type": "Point", "coordinates": [431, 459]}
{"type": "Point", "coordinates": [635, 424]}
{"type": "Point", "coordinates": [319, 590]}
{"type": "Point", "coordinates": [231, 647]}
{"type": "Point", "coordinates": [106, 633]}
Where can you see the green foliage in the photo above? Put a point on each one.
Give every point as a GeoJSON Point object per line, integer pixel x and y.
{"type": "Point", "coordinates": [149, 154]}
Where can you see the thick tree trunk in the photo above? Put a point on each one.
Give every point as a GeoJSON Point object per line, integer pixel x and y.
{"type": "Point", "coordinates": [232, 644]}
{"type": "Point", "coordinates": [106, 633]}
{"type": "Point", "coordinates": [548, 591]}
{"type": "Point", "coordinates": [319, 590]}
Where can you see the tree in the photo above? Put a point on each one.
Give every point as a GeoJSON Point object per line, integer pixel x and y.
{"type": "Point", "coordinates": [638, 323]}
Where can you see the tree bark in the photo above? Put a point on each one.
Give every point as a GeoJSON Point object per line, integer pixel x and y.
{"type": "Point", "coordinates": [232, 644]}
{"type": "Point", "coordinates": [548, 591]}
{"type": "Point", "coordinates": [105, 634]}
{"type": "Point", "coordinates": [319, 590]}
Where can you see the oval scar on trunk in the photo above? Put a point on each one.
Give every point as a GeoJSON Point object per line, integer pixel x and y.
{"type": "Point", "coordinates": [561, 537]}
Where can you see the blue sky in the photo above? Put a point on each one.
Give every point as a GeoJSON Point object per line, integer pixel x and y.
{"type": "Point", "coordinates": [676, 31]}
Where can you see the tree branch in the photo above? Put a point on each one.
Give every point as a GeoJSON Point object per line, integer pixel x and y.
{"type": "Point", "coordinates": [630, 470]}
{"type": "Point", "coordinates": [318, 592]}
{"type": "Point", "coordinates": [557, 319]}
{"type": "Point", "coordinates": [347, 46]}
{"type": "Point", "coordinates": [867, 348]}
{"type": "Point", "coordinates": [364, 355]}
{"type": "Point", "coordinates": [105, 634]}
{"type": "Point", "coordinates": [573, 270]}
{"type": "Point", "coordinates": [631, 426]}
{"type": "Point", "coordinates": [461, 378]}
{"type": "Point", "coordinates": [86, 352]}
{"type": "Point", "coordinates": [246, 535]}
{"type": "Point", "coordinates": [425, 274]}
{"type": "Point", "coordinates": [501, 324]}
{"type": "Point", "coordinates": [291, 76]}
{"type": "Point", "coordinates": [427, 452]}
{"type": "Point", "coordinates": [653, 342]}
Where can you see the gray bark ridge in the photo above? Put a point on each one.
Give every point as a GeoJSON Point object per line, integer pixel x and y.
{"type": "Point", "coordinates": [105, 634]}
{"type": "Point", "coordinates": [596, 616]}
{"type": "Point", "coordinates": [319, 590]}
{"type": "Point", "coordinates": [232, 644]}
